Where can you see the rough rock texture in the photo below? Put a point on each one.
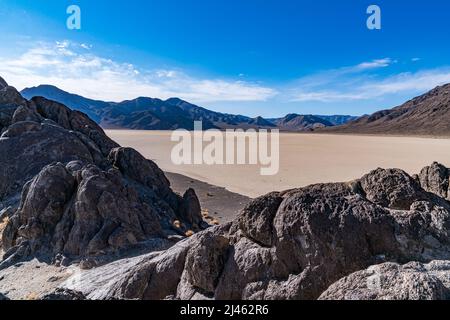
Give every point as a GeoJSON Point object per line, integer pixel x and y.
{"type": "Point", "coordinates": [391, 281]}
{"type": "Point", "coordinates": [435, 178]}
{"type": "Point", "coordinates": [293, 245]}
{"type": "Point", "coordinates": [3, 297]}
{"type": "Point", "coordinates": [64, 295]}
{"type": "Point", "coordinates": [72, 192]}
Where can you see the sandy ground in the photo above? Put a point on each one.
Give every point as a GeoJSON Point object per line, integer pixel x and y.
{"type": "Point", "coordinates": [219, 203]}
{"type": "Point", "coordinates": [30, 280]}
{"type": "Point", "coordinates": [304, 159]}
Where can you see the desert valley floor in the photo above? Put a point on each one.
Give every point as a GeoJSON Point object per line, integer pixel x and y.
{"type": "Point", "coordinates": [304, 159]}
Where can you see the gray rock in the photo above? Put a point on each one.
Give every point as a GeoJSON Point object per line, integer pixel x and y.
{"type": "Point", "coordinates": [207, 254]}
{"type": "Point", "coordinates": [295, 244]}
{"type": "Point", "coordinates": [256, 220]}
{"type": "Point", "coordinates": [435, 179]}
{"type": "Point", "coordinates": [392, 188]}
{"type": "Point", "coordinates": [85, 213]}
{"type": "Point", "coordinates": [3, 297]}
{"type": "Point", "coordinates": [64, 295]}
{"type": "Point", "coordinates": [391, 281]}
{"type": "Point", "coordinates": [27, 147]}
{"type": "Point", "coordinates": [152, 276]}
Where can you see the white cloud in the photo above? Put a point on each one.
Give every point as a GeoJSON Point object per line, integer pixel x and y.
{"type": "Point", "coordinates": [86, 46]}
{"type": "Point", "coordinates": [374, 64]}
{"type": "Point", "coordinates": [409, 82]}
{"type": "Point", "coordinates": [361, 83]}
{"type": "Point", "coordinates": [65, 65]}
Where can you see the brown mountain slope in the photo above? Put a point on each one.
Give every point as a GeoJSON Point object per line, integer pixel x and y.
{"type": "Point", "coordinates": [428, 115]}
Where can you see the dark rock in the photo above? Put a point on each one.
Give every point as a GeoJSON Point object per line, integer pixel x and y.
{"type": "Point", "coordinates": [295, 244]}
{"type": "Point", "coordinates": [89, 212]}
{"type": "Point", "coordinates": [3, 83]}
{"type": "Point", "coordinates": [435, 179]}
{"type": "Point", "coordinates": [392, 188]}
{"type": "Point", "coordinates": [10, 97]}
{"type": "Point", "coordinates": [391, 281]}
{"type": "Point", "coordinates": [27, 147]}
{"type": "Point", "coordinates": [82, 196]}
{"type": "Point", "coordinates": [256, 219]}
{"type": "Point", "coordinates": [2, 296]}
{"type": "Point", "coordinates": [191, 209]}
{"type": "Point", "coordinates": [134, 166]}
{"type": "Point", "coordinates": [64, 295]}
{"type": "Point", "coordinates": [208, 254]}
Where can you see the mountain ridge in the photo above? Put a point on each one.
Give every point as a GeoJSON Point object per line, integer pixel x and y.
{"type": "Point", "coordinates": [427, 115]}
{"type": "Point", "coordinates": [174, 113]}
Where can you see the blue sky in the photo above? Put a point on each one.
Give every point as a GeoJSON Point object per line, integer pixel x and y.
{"type": "Point", "coordinates": [254, 57]}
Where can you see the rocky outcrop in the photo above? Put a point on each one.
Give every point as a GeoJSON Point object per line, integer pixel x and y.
{"type": "Point", "coordinates": [292, 245]}
{"type": "Point", "coordinates": [2, 296]}
{"type": "Point", "coordinates": [72, 193]}
{"type": "Point", "coordinates": [391, 281]}
{"type": "Point", "coordinates": [64, 295]}
{"type": "Point", "coordinates": [435, 178]}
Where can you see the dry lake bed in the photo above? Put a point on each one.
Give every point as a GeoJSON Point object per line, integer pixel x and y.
{"type": "Point", "coordinates": [304, 159]}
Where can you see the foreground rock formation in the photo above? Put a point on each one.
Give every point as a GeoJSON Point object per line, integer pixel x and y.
{"type": "Point", "coordinates": [296, 244]}
{"type": "Point", "coordinates": [391, 281]}
{"type": "Point", "coordinates": [69, 193]}
{"type": "Point", "coordinates": [72, 193]}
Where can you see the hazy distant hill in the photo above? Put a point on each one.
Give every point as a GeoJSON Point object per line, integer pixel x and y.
{"type": "Point", "coordinates": [156, 114]}
{"type": "Point", "coordinates": [296, 122]}
{"type": "Point", "coordinates": [428, 114]}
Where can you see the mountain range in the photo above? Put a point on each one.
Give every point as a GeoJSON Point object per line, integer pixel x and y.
{"type": "Point", "coordinates": [427, 115]}
{"type": "Point", "coordinates": [156, 114]}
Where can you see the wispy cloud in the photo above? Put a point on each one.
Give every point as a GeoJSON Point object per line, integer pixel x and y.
{"type": "Point", "coordinates": [361, 82]}
{"type": "Point", "coordinates": [374, 64]}
{"type": "Point", "coordinates": [73, 67]}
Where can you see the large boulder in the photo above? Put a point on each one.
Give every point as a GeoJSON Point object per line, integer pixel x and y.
{"type": "Point", "coordinates": [79, 210]}
{"type": "Point", "coordinates": [435, 178]}
{"type": "Point", "coordinates": [391, 281]}
{"type": "Point", "coordinates": [392, 188]}
{"type": "Point", "coordinates": [295, 244]}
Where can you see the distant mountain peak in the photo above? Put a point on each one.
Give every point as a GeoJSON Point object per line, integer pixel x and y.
{"type": "Point", "coordinates": [261, 122]}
